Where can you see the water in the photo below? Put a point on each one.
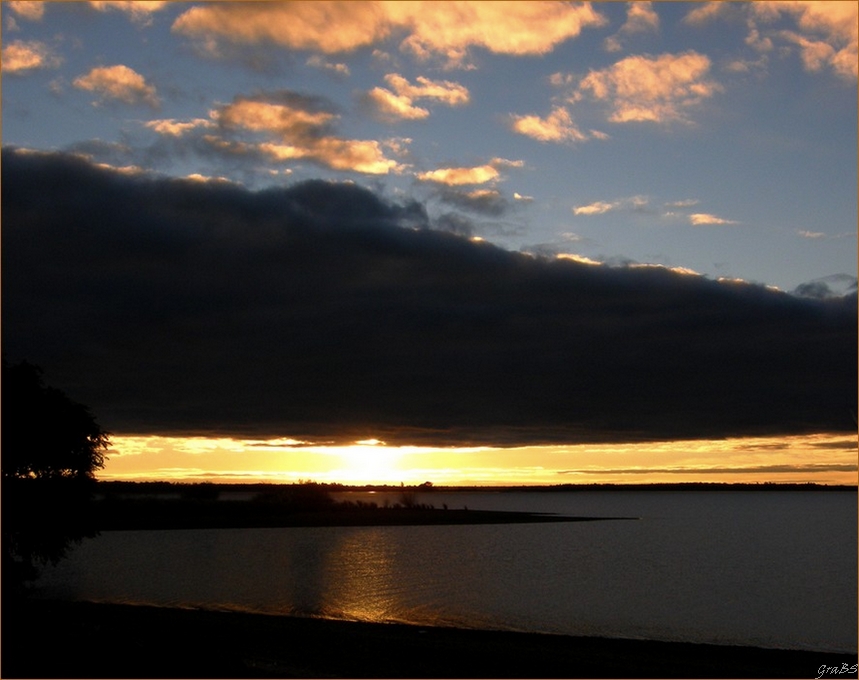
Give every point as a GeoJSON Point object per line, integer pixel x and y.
{"type": "Point", "coordinates": [772, 569]}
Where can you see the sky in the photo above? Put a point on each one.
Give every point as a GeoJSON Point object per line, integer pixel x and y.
{"type": "Point", "coordinates": [543, 242]}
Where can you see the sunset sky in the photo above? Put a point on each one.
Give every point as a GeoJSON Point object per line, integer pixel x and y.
{"type": "Point", "coordinates": [492, 242]}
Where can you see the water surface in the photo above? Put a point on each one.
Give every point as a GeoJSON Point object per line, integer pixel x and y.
{"type": "Point", "coordinates": [773, 568]}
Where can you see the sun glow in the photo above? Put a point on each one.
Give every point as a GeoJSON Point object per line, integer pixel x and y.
{"type": "Point", "coordinates": [369, 461]}
{"type": "Point", "coordinates": [821, 458]}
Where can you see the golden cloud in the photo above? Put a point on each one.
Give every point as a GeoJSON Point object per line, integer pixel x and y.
{"type": "Point", "coordinates": [140, 12]}
{"type": "Point", "coordinates": [827, 34]}
{"type": "Point", "coordinates": [176, 128]}
{"type": "Point", "coordinates": [705, 12]}
{"type": "Point", "coordinates": [364, 156]}
{"type": "Point", "coordinates": [558, 126]}
{"type": "Point", "coordinates": [596, 208]}
{"type": "Point", "coordinates": [706, 218]}
{"type": "Point", "coordinates": [33, 11]}
{"type": "Point", "coordinates": [459, 176]}
{"type": "Point", "coordinates": [399, 103]}
{"type": "Point", "coordinates": [480, 174]}
{"type": "Point", "coordinates": [324, 26]}
{"type": "Point", "coordinates": [640, 18]}
{"type": "Point", "coordinates": [657, 89]}
{"type": "Point", "coordinates": [318, 62]}
{"type": "Point", "coordinates": [301, 131]}
{"type": "Point", "coordinates": [445, 91]}
{"type": "Point", "coordinates": [449, 29]}
{"type": "Point", "coordinates": [282, 119]}
{"type": "Point", "coordinates": [446, 29]}
{"type": "Point", "coordinates": [20, 56]}
{"type": "Point", "coordinates": [118, 82]}
{"type": "Point", "coordinates": [390, 106]}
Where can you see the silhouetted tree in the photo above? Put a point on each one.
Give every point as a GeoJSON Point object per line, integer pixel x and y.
{"type": "Point", "coordinates": [51, 449]}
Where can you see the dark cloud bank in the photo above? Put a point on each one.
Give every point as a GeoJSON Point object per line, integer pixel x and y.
{"type": "Point", "coordinates": [326, 312]}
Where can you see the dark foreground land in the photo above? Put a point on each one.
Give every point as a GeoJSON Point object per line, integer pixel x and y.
{"type": "Point", "coordinates": [86, 640]}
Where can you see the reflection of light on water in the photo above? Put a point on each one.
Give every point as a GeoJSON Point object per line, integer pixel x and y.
{"type": "Point", "coordinates": [364, 589]}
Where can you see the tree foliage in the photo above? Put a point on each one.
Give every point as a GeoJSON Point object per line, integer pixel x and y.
{"type": "Point", "coordinates": [46, 435]}
{"type": "Point", "coordinates": [51, 448]}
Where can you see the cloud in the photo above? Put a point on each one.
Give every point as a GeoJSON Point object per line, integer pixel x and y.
{"type": "Point", "coordinates": [640, 18]}
{"type": "Point", "coordinates": [298, 127]}
{"type": "Point", "coordinates": [32, 11]}
{"type": "Point", "coordinates": [485, 201]}
{"type": "Point", "coordinates": [21, 56]}
{"type": "Point", "coordinates": [811, 234]}
{"type": "Point", "coordinates": [657, 89]}
{"type": "Point", "coordinates": [527, 28]}
{"type": "Point", "coordinates": [717, 470]}
{"type": "Point", "coordinates": [836, 285]}
{"type": "Point", "coordinates": [705, 12]}
{"type": "Point", "coordinates": [176, 128]}
{"type": "Point", "coordinates": [826, 34]}
{"type": "Point", "coordinates": [444, 30]}
{"type": "Point", "coordinates": [596, 208]}
{"type": "Point", "coordinates": [338, 68]}
{"type": "Point", "coordinates": [706, 218]}
{"type": "Point", "coordinates": [558, 126]}
{"type": "Point", "coordinates": [398, 102]}
{"type": "Point", "coordinates": [684, 203]}
{"type": "Point", "coordinates": [140, 12]}
{"type": "Point", "coordinates": [634, 203]}
{"type": "Point", "coordinates": [321, 310]}
{"type": "Point", "coordinates": [457, 176]}
{"type": "Point", "coordinates": [118, 83]}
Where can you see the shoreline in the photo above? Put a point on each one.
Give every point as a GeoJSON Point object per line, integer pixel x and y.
{"type": "Point", "coordinates": [96, 640]}
{"type": "Point", "coordinates": [184, 515]}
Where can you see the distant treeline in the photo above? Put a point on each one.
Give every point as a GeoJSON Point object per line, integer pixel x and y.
{"type": "Point", "coordinates": [212, 489]}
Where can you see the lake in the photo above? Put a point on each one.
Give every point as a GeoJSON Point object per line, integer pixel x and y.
{"type": "Point", "coordinates": [764, 568]}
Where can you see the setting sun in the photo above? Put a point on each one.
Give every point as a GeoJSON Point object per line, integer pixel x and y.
{"type": "Point", "coordinates": [369, 461]}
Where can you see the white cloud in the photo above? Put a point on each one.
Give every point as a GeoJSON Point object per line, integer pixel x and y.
{"type": "Point", "coordinates": [685, 203]}
{"type": "Point", "coordinates": [811, 234]}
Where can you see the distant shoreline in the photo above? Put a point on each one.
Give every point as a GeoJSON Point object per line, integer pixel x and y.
{"type": "Point", "coordinates": [162, 486]}
{"type": "Point", "coordinates": [115, 640]}
{"type": "Point", "coordinates": [156, 505]}
{"type": "Point", "coordinates": [183, 514]}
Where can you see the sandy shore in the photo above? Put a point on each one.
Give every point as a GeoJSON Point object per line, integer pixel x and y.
{"type": "Point", "coordinates": [84, 640]}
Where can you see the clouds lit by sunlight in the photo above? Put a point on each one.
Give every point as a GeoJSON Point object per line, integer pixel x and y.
{"type": "Point", "coordinates": [20, 56]}
{"type": "Point", "coordinates": [822, 458]}
{"type": "Point", "coordinates": [119, 83]}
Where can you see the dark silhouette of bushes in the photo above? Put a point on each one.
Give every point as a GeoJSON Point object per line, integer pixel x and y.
{"type": "Point", "coordinates": [301, 497]}
{"type": "Point", "coordinates": [51, 449]}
